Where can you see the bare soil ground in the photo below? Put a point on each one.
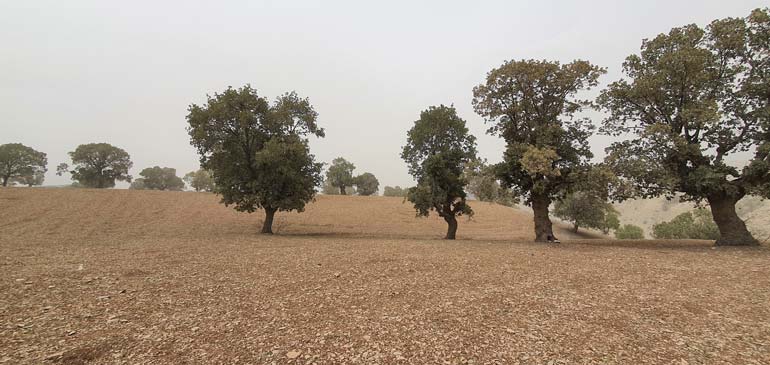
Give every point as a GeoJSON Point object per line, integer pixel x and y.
{"type": "Point", "coordinates": [130, 277]}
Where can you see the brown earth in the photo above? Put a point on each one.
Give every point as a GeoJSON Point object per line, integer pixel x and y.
{"type": "Point", "coordinates": [133, 277]}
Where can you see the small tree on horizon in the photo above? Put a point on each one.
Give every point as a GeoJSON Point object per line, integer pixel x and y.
{"type": "Point", "coordinates": [200, 180]}
{"type": "Point", "coordinates": [437, 148]}
{"type": "Point", "coordinates": [366, 184]}
{"type": "Point", "coordinates": [19, 163]}
{"type": "Point", "coordinates": [98, 165]}
{"type": "Point", "coordinates": [159, 178]}
{"type": "Point", "coordinates": [258, 153]}
{"type": "Point", "coordinates": [340, 174]}
{"type": "Point", "coordinates": [394, 191]}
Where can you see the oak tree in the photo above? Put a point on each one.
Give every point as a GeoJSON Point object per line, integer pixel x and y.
{"type": "Point", "coordinates": [98, 165]}
{"type": "Point", "coordinates": [691, 99]}
{"type": "Point", "coordinates": [257, 153]}
{"type": "Point", "coordinates": [160, 178]}
{"type": "Point", "coordinates": [19, 163]}
{"type": "Point", "coordinates": [340, 174]}
{"type": "Point", "coordinates": [366, 184]}
{"type": "Point", "coordinates": [533, 106]}
{"type": "Point", "coordinates": [437, 148]}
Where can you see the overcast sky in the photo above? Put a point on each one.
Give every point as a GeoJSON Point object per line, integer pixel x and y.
{"type": "Point", "coordinates": [74, 72]}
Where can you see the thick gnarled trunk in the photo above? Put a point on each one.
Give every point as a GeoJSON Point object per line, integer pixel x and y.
{"type": "Point", "coordinates": [543, 226]}
{"type": "Point", "coordinates": [732, 229]}
{"type": "Point", "coordinates": [267, 227]}
{"type": "Point", "coordinates": [451, 231]}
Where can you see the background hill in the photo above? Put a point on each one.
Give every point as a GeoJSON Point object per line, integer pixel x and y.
{"type": "Point", "coordinates": [79, 213]}
{"type": "Point", "coordinates": [647, 212]}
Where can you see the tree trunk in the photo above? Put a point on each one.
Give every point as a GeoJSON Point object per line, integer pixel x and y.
{"type": "Point", "coordinates": [543, 226]}
{"type": "Point", "coordinates": [451, 231]}
{"type": "Point", "coordinates": [267, 227]}
{"type": "Point", "coordinates": [5, 180]}
{"type": "Point", "coordinates": [576, 228]}
{"type": "Point", "coordinates": [732, 229]}
{"type": "Point", "coordinates": [342, 190]}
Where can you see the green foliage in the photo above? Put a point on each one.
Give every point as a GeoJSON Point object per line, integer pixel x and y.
{"type": "Point", "coordinates": [98, 165]}
{"type": "Point", "coordinates": [693, 97]}
{"type": "Point", "coordinates": [340, 174]}
{"type": "Point", "coordinates": [689, 225]}
{"type": "Point", "coordinates": [629, 232]}
{"type": "Point", "coordinates": [158, 178]}
{"type": "Point", "coordinates": [200, 180]}
{"type": "Point", "coordinates": [19, 163]}
{"type": "Point", "coordinates": [394, 191]}
{"type": "Point", "coordinates": [584, 209]}
{"type": "Point", "coordinates": [257, 153]}
{"type": "Point", "coordinates": [436, 150]}
{"type": "Point", "coordinates": [366, 184]}
{"type": "Point", "coordinates": [532, 105]}
{"type": "Point", "coordinates": [483, 184]}
{"type": "Point", "coordinates": [137, 184]}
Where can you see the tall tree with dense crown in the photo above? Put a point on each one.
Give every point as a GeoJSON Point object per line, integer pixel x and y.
{"type": "Point", "coordinates": [366, 184]}
{"type": "Point", "coordinates": [98, 165]}
{"type": "Point", "coordinates": [18, 161]}
{"type": "Point", "coordinates": [436, 151]}
{"type": "Point", "coordinates": [257, 153]}
{"type": "Point", "coordinates": [160, 178]}
{"type": "Point", "coordinates": [340, 174]}
{"type": "Point", "coordinates": [532, 105]}
{"type": "Point", "coordinates": [691, 99]}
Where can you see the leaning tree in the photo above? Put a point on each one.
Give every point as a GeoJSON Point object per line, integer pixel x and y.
{"type": "Point", "coordinates": [532, 105]}
{"type": "Point", "coordinates": [437, 149]}
{"type": "Point", "coordinates": [98, 165]}
{"type": "Point", "coordinates": [692, 100]}
{"type": "Point", "coordinates": [257, 153]}
{"type": "Point", "coordinates": [19, 163]}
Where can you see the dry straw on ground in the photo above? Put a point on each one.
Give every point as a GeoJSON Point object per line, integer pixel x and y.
{"type": "Point", "coordinates": [131, 277]}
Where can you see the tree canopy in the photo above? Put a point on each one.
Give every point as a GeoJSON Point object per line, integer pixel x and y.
{"type": "Point", "coordinates": [437, 148]}
{"type": "Point", "coordinates": [257, 153]}
{"type": "Point", "coordinates": [19, 163]}
{"type": "Point", "coordinates": [98, 165]}
{"type": "Point", "coordinates": [697, 224]}
{"type": "Point", "coordinates": [366, 184]}
{"type": "Point", "coordinates": [690, 99]}
{"type": "Point", "coordinates": [483, 184]}
{"type": "Point", "coordinates": [340, 174]}
{"type": "Point", "coordinates": [158, 178]}
{"type": "Point", "coordinates": [587, 210]}
{"type": "Point", "coordinates": [533, 106]}
{"type": "Point", "coordinates": [394, 191]}
{"type": "Point", "coordinates": [200, 180]}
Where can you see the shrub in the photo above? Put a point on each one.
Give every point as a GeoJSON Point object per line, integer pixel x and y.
{"type": "Point", "coordinates": [629, 232]}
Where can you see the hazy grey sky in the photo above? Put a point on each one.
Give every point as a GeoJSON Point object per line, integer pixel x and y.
{"type": "Point", "coordinates": [75, 72]}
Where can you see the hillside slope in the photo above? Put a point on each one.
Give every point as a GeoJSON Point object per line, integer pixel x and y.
{"type": "Point", "coordinates": [647, 212]}
{"type": "Point", "coordinates": [79, 213]}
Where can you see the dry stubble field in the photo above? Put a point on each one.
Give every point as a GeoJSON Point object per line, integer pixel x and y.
{"type": "Point", "coordinates": [136, 277]}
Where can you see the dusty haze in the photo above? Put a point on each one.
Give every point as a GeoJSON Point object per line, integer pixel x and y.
{"type": "Point", "coordinates": [92, 71]}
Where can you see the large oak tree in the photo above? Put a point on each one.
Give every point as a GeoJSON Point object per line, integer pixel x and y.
{"type": "Point", "coordinates": [692, 99]}
{"type": "Point", "coordinates": [532, 105]}
{"type": "Point", "coordinates": [257, 153]}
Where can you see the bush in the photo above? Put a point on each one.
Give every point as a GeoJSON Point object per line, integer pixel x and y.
{"type": "Point", "coordinates": [697, 224]}
{"type": "Point", "coordinates": [629, 232]}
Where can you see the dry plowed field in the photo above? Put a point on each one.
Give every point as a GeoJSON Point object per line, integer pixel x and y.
{"type": "Point", "coordinates": [137, 277]}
